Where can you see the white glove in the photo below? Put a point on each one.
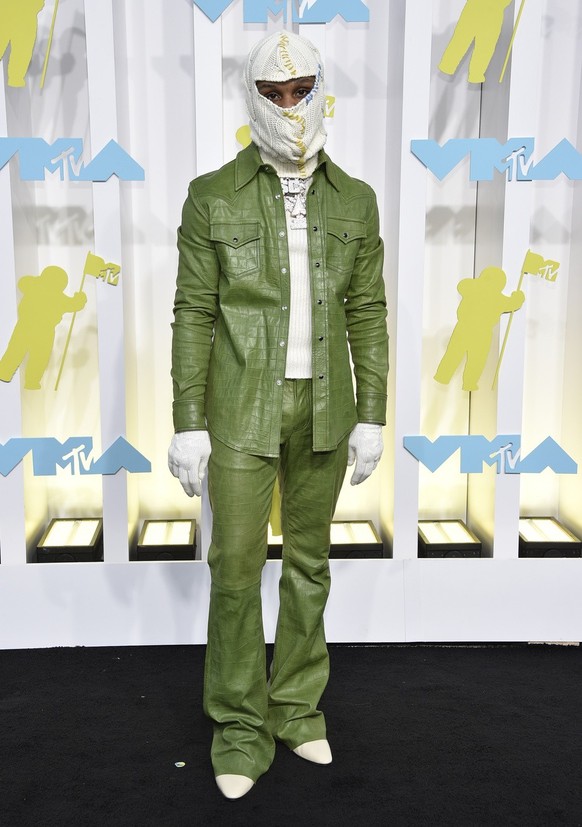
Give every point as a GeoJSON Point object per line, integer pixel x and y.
{"type": "Point", "coordinates": [365, 447]}
{"type": "Point", "coordinates": [188, 457]}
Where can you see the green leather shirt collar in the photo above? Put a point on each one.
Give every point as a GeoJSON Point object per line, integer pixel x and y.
{"type": "Point", "coordinates": [249, 161]}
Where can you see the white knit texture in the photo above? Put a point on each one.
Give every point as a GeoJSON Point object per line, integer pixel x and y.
{"type": "Point", "coordinates": [281, 56]}
{"type": "Point", "coordinates": [299, 342]}
{"type": "Point", "coordinates": [288, 169]}
{"type": "Point", "coordinates": [293, 135]}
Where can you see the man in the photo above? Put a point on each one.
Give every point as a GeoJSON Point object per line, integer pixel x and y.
{"type": "Point", "coordinates": [279, 258]}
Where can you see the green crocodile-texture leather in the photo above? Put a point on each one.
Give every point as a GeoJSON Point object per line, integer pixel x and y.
{"type": "Point", "coordinates": [248, 711]}
{"type": "Point", "coordinates": [231, 312]}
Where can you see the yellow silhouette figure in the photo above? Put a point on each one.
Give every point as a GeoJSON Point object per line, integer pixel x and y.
{"type": "Point", "coordinates": [480, 22]}
{"type": "Point", "coordinates": [480, 309]}
{"type": "Point", "coordinates": [243, 136]}
{"type": "Point", "coordinates": [40, 310]}
{"type": "Point", "coordinates": [18, 28]}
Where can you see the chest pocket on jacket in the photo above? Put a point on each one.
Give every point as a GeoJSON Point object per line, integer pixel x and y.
{"type": "Point", "coordinates": [344, 236]}
{"type": "Point", "coordinates": [237, 246]}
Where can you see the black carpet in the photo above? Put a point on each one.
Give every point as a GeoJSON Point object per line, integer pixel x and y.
{"type": "Point", "coordinates": [421, 735]}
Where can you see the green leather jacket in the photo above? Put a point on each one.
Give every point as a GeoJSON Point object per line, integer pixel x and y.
{"type": "Point", "coordinates": [232, 306]}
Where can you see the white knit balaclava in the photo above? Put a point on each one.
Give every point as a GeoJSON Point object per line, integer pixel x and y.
{"type": "Point", "coordinates": [288, 138]}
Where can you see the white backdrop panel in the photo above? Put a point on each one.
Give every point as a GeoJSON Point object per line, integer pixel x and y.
{"type": "Point", "coordinates": [165, 82]}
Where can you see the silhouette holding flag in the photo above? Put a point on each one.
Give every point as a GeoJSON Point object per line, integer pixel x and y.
{"type": "Point", "coordinates": [535, 265]}
{"type": "Point", "coordinates": [481, 306]}
{"type": "Point", "coordinates": [480, 23]}
{"type": "Point", "coordinates": [18, 29]}
{"type": "Point", "coordinates": [41, 308]}
{"type": "Point", "coordinates": [97, 267]}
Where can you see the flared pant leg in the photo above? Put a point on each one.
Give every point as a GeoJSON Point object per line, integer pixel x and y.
{"type": "Point", "coordinates": [310, 486]}
{"type": "Point", "coordinates": [246, 714]}
{"type": "Point", "coordinates": [235, 680]}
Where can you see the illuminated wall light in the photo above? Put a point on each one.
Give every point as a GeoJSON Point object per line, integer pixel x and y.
{"type": "Point", "coordinates": [167, 540]}
{"type": "Point", "coordinates": [71, 541]}
{"type": "Point", "coordinates": [546, 537]}
{"type": "Point", "coordinates": [446, 538]}
{"type": "Point", "coordinates": [357, 540]}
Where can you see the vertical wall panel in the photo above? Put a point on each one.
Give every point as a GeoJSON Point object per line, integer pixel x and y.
{"type": "Point", "coordinates": [208, 92]}
{"type": "Point", "coordinates": [523, 117]}
{"type": "Point", "coordinates": [406, 350]}
{"type": "Point", "coordinates": [12, 539]}
{"type": "Point", "coordinates": [208, 85]}
{"type": "Point", "coordinates": [551, 236]}
{"type": "Point", "coordinates": [357, 140]}
{"type": "Point", "coordinates": [391, 188]}
{"type": "Point", "coordinates": [54, 227]}
{"type": "Point", "coordinates": [494, 112]}
{"type": "Point", "coordinates": [155, 85]}
{"type": "Point", "coordinates": [450, 248]}
{"type": "Point", "coordinates": [570, 494]}
{"type": "Point", "coordinates": [107, 230]}
{"type": "Point", "coordinates": [237, 41]}
{"type": "Point", "coordinates": [317, 34]}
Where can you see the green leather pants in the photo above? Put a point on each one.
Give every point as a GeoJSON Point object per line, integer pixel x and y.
{"type": "Point", "coordinates": [248, 710]}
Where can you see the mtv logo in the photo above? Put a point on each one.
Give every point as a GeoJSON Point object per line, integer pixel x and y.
{"type": "Point", "coordinates": [64, 157]}
{"type": "Point", "coordinates": [110, 275]}
{"type": "Point", "coordinates": [74, 454]}
{"type": "Point", "coordinates": [550, 270]}
{"type": "Point", "coordinates": [324, 11]}
{"type": "Point", "coordinates": [303, 11]}
{"type": "Point", "coordinates": [504, 451]}
{"type": "Point", "coordinates": [329, 106]}
{"type": "Point", "coordinates": [487, 155]}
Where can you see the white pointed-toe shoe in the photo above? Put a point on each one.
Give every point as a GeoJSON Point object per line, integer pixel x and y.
{"type": "Point", "coordinates": [234, 786]}
{"type": "Point", "coordinates": [317, 751]}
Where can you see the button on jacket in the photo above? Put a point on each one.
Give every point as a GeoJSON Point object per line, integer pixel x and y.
{"type": "Point", "coordinates": [231, 312]}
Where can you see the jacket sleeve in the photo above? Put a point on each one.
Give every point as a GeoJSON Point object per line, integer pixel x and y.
{"type": "Point", "coordinates": [365, 308]}
{"type": "Point", "coordinates": [195, 312]}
